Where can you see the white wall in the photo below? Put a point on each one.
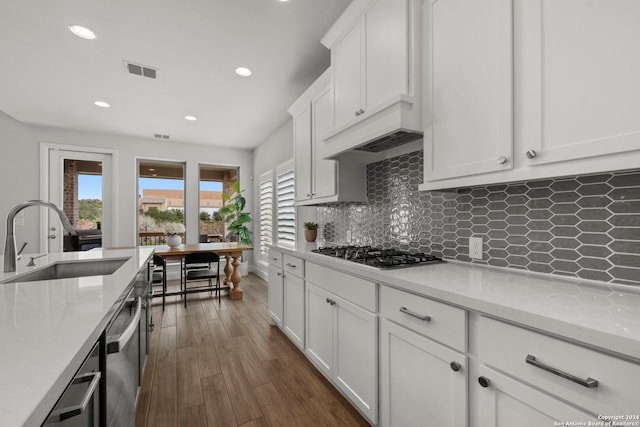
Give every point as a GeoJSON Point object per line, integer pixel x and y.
{"type": "Point", "coordinates": [19, 180]}
{"type": "Point", "coordinates": [274, 150]}
{"type": "Point", "coordinates": [20, 163]}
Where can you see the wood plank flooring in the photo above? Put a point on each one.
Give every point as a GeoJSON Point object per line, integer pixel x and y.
{"type": "Point", "coordinates": [225, 365]}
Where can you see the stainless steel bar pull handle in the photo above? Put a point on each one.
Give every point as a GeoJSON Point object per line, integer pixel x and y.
{"type": "Point", "coordinates": [72, 411]}
{"type": "Point", "coordinates": [117, 343]}
{"type": "Point", "coordinates": [589, 382]}
{"type": "Point", "coordinates": [424, 317]}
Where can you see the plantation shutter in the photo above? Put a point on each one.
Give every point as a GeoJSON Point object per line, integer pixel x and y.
{"type": "Point", "coordinates": [266, 213]}
{"type": "Point", "coordinates": [285, 208]}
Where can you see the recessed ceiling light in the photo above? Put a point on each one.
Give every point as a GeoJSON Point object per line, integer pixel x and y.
{"type": "Point", "coordinates": [151, 169]}
{"type": "Point", "coordinates": [243, 71]}
{"type": "Point", "coordinates": [190, 118]}
{"type": "Point", "coordinates": [83, 32]}
{"type": "Point", "coordinates": [102, 104]}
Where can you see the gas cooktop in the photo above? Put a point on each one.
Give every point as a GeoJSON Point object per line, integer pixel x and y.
{"type": "Point", "coordinates": [377, 257]}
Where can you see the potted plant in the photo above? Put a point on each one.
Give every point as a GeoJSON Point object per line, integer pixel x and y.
{"type": "Point", "coordinates": [232, 214]}
{"type": "Point", "coordinates": [310, 231]}
{"type": "Point", "coordinates": [173, 230]}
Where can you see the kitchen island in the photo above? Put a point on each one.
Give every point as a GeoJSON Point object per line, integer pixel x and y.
{"type": "Point", "coordinates": [48, 327]}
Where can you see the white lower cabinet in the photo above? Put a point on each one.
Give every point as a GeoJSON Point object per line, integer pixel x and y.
{"type": "Point", "coordinates": [276, 296]}
{"type": "Point", "coordinates": [504, 401]}
{"type": "Point", "coordinates": [422, 383]}
{"type": "Point", "coordinates": [319, 315]}
{"type": "Point", "coordinates": [526, 378]}
{"type": "Point", "coordinates": [342, 343]}
{"type": "Point", "coordinates": [356, 356]}
{"type": "Point", "coordinates": [293, 319]}
{"type": "Point", "coordinates": [276, 287]}
{"type": "Point", "coordinates": [441, 365]}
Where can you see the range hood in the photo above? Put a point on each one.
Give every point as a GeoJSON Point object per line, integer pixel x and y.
{"type": "Point", "coordinates": [395, 123]}
{"type": "Point", "coordinates": [390, 141]}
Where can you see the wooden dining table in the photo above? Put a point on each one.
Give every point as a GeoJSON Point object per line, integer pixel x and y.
{"type": "Point", "coordinates": [230, 251]}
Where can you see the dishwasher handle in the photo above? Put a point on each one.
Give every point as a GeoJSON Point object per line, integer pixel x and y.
{"type": "Point", "coordinates": [118, 342]}
{"type": "Point", "coordinates": [75, 410]}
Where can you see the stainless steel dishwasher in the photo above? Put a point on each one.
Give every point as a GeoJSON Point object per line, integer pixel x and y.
{"type": "Point", "coordinates": [123, 363]}
{"type": "Point", "coordinates": [80, 403]}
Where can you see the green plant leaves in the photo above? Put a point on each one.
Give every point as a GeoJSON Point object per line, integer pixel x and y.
{"type": "Point", "coordinates": [233, 215]}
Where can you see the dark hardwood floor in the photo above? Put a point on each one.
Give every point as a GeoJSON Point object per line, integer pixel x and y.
{"type": "Point", "coordinates": [225, 365]}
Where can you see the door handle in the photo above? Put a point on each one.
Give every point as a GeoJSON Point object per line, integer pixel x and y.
{"type": "Point", "coordinates": [588, 383]}
{"type": "Point", "coordinates": [424, 317]}
{"type": "Point", "coordinates": [118, 342]}
{"type": "Point", "coordinates": [72, 411]}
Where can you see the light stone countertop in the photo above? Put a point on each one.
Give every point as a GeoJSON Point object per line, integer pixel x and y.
{"type": "Point", "coordinates": [593, 313]}
{"type": "Point", "coordinates": [47, 328]}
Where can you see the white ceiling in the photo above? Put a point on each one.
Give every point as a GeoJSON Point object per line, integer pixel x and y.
{"type": "Point", "coordinates": [48, 76]}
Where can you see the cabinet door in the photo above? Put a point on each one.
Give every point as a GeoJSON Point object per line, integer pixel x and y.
{"type": "Point", "coordinates": [508, 402]}
{"type": "Point", "coordinates": [386, 67]}
{"type": "Point", "coordinates": [293, 320]}
{"type": "Point", "coordinates": [276, 297]}
{"type": "Point", "coordinates": [356, 362]}
{"type": "Point", "coordinates": [347, 80]}
{"type": "Point", "coordinates": [470, 88]}
{"type": "Point", "coordinates": [417, 381]}
{"type": "Point", "coordinates": [302, 153]}
{"type": "Point", "coordinates": [580, 78]}
{"type": "Point", "coordinates": [319, 324]}
{"type": "Point", "coordinates": [324, 171]}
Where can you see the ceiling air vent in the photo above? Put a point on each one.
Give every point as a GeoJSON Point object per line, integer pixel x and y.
{"type": "Point", "coordinates": [141, 70]}
{"type": "Point", "coordinates": [161, 136]}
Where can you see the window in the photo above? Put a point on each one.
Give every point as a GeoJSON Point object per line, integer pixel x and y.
{"type": "Point", "coordinates": [160, 201]}
{"type": "Point", "coordinates": [285, 206]}
{"type": "Point", "coordinates": [214, 182]}
{"type": "Point", "coordinates": [266, 212]}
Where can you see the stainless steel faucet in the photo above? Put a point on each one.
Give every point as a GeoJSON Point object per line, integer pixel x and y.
{"type": "Point", "coordinates": [10, 258]}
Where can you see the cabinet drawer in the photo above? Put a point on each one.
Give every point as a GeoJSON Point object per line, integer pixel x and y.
{"type": "Point", "coordinates": [293, 265]}
{"type": "Point", "coordinates": [275, 258]}
{"type": "Point", "coordinates": [507, 347]}
{"type": "Point", "coordinates": [358, 291]}
{"type": "Point", "coordinates": [444, 323]}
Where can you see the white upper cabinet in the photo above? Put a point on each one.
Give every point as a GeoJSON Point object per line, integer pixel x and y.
{"type": "Point", "coordinates": [375, 55]}
{"type": "Point", "coordinates": [325, 173]}
{"type": "Point", "coordinates": [347, 78]}
{"type": "Point", "coordinates": [319, 180]}
{"type": "Point", "coordinates": [581, 78]}
{"type": "Point", "coordinates": [573, 108]}
{"type": "Point", "coordinates": [470, 88]}
{"type": "Point", "coordinates": [302, 152]}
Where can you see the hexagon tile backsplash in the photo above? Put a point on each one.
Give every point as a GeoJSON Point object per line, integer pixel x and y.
{"type": "Point", "coordinates": [586, 226]}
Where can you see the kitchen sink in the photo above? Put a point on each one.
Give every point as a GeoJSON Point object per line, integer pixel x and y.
{"type": "Point", "coordinates": [71, 269]}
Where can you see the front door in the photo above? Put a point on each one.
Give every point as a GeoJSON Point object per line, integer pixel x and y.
{"type": "Point", "coordinates": [81, 184]}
